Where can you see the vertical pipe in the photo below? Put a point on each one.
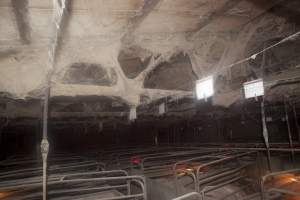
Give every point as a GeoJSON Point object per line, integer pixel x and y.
{"type": "Point", "coordinates": [289, 130]}
{"type": "Point", "coordinates": [265, 133]}
{"type": "Point", "coordinates": [296, 121]}
{"type": "Point", "coordinates": [45, 143]}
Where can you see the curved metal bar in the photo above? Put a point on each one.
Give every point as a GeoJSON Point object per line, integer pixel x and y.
{"type": "Point", "coordinates": [138, 179]}
{"type": "Point", "coordinates": [95, 173]}
{"type": "Point", "coordinates": [193, 176]}
{"type": "Point", "coordinates": [36, 171]}
{"type": "Point", "coordinates": [141, 181]}
{"type": "Point", "coordinates": [188, 195]}
{"type": "Point", "coordinates": [216, 162]}
{"type": "Point", "coordinates": [265, 177]}
{"type": "Point", "coordinates": [205, 189]}
{"type": "Point", "coordinates": [125, 173]}
{"type": "Point", "coordinates": [176, 154]}
{"type": "Point", "coordinates": [192, 173]}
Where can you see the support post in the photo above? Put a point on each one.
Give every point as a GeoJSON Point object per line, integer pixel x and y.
{"type": "Point", "coordinates": [296, 121]}
{"type": "Point", "coordinates": [265, 133]}
{"type": "Point", "coordinates": [45, 143]}
{"type": "Point", "coordinates": [289, 129]}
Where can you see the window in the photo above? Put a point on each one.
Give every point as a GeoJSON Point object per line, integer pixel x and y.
{"type": "Point", "coordinates": [254, 88]}
{"type": "Point", "coordinates": [205, 88]}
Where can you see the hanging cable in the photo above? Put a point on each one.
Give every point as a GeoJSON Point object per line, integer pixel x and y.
{"type": "Point", "coordinates": [253, 56]}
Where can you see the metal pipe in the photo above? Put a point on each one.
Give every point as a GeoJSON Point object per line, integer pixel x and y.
{"type": "Point", "coordinates": [296, 121]}
{"type": "Point", "coordinates": [216, 162]}
{"type": "Point", "coordinates": [265, 133]}
{"type": "Point", "coordinates": [188, 196]}
{"type": "Point", "coordinates": [174, 168]}
{"type": "Point", "coordinates": [45, 143]}
{"type": "Point", "coordinates": [264, 178]}
{"type": "Point", "coordinates": [37, 170]}
{"type": "Point", "coordinates": [255, 149]}
{"type": "Point", "coordinates": [289, 130]}
{"type": "Point", "coordinates": [138, 179]}
{"type": "Point", "coordinates": [219, 185]}
{"type": "Point", "coordinates": [125, 173]}
{"type": "Point", "coordinates": [223, 174]}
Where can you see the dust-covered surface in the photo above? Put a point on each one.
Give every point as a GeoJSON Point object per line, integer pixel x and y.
{"type": "Point", "coordinates": [132, 49]}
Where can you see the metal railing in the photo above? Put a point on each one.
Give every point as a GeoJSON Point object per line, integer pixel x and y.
{"type": "Point", "coordinates": [279, 189]}
{"type": "Point", "coordinates": [188, 196]}
{"type": "Point", "coordinates": [89, 184]}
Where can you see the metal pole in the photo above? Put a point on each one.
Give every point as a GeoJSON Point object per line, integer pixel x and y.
{"type": "Point", "coordinates": [296, 121]}
{"type": "Point", "coordinates": [254, 149]}
{"type": "Point", "coordinates": [188, 196]}
{"type": "Point", "coordinates": [265, 133]}
{"type": "Point", "coordinates": [289, 130]}
{"type": "Point", "coordinates": [45, 143]}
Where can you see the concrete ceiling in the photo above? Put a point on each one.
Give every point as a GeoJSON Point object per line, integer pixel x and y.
{"type": "Point", "coordinates": [139, 51]}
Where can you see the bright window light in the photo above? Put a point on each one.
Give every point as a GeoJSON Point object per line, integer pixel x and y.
{"type": "Point", "coordinates": [254, 88]}
{"type": "Point", "coordinates": [205, 88]}
{"type": "Point", "coordinates": [161, 109]}
{"type": "Point", "coordinates": [132, 114]}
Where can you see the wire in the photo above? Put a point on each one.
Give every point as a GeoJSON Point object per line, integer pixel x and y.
{"type": "Point", "coordinates": [253, 56]}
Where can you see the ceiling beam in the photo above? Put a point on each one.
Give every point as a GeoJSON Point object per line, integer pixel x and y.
{"type": "Point", "coordinates": [60, 8]}
{"type": "Point", "coordinates": [20, 9]}
{"type": "Point", "coordinates": [274, 5]}
{"type": "Point", "coordinates": [64, 115]}
{"type": "Point", "coordinates": [136, 20]}
{"type": "Point", "coordinates": [229, 4]}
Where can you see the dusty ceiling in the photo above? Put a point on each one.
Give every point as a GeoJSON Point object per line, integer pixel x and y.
{"type": "Point", "coordinates": [135, 52]}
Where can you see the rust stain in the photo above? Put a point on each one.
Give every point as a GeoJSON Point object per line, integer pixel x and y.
{"type": "Point", "coordinates": [5, 194]}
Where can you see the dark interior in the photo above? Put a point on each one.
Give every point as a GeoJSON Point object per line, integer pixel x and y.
{"type": "Point", "coordinates": [150, 100]}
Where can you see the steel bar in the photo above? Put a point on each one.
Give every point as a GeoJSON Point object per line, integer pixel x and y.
{"type": "Point", "coordinates": [289, 129]}
{"type": "Point", "coordinates": [188, 196]}
{"type": "Point", "coordinates": [229, 172]}
{"type": "Point", "coordinates": [128, 179]}
{"type": "Point", "coordinates": [45, 143]}
{"type": "Point", "coordinates": [123, 172]}
{"type": "Point", "coordinates": [217, 162]}
{"type": "Point", "coordinates": [211, 188]}
{"type": "Point", "coordinates": [210, 156]}
{"type": "Point", "coordinates": [219, 185]}
{"type": "Point", "coordinates": [264, 178]}
{"type": "Point", "coordinates": [265, 133]}
{"type": "Point", "coordinates": [38, 170]}
{"type": "Point", "coordinates": [284, 191]}
{"type": "Point", "coordinates": [296, 121]}
{"type": "Point", "coordinates": [255, 149]}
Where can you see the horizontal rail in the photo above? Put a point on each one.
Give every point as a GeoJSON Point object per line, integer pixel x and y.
{"type": "Point", "coordinates": [267, 176]}
{"type": "Point", "coordinates": [188, 196]}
